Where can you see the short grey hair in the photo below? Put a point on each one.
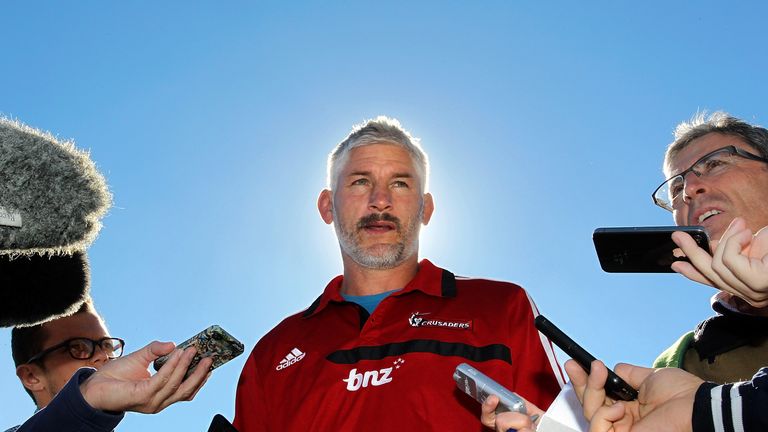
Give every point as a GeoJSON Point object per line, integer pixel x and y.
{"type": "Point", "coordinates": [379, 130]}
{"type": "Point", "coordinates": [721, 122]}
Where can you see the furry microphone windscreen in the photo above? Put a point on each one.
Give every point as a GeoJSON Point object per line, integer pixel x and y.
{"type": "Point", "coordinates": [51, 195]}
{"type": "Point", "coordinates": [39, 288]}
{"type": "Point", "coordinates": [52, 199]}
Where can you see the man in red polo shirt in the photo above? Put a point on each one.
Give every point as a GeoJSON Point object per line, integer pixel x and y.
{"type": "Point", "coordinates": [377, 350]}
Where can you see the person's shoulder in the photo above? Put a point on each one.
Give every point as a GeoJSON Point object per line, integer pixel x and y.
{"type": "Point", "coordinates": [13, 429]}
{"type": "Point", "coordinates": [501, 286]}
{"type": "Point", "coordinates": [482, 289]}
{"type": "Point", "coordinates": [289, 324]}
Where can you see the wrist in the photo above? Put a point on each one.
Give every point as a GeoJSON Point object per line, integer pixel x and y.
{"type": "Point", "coordinates": [90, 393]}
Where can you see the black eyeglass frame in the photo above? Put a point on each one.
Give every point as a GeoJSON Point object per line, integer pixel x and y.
{"type": "Point", "coordinates": [94, 343]}
{"type": "Point", "coordinates": [732, 150]}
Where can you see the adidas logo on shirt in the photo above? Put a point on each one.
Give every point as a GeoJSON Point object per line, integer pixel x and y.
{"type": "Point", "coordinates": [293, 357]}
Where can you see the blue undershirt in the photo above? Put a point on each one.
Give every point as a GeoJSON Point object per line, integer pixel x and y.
{"type": "Point", "coordinates": [368, 302]}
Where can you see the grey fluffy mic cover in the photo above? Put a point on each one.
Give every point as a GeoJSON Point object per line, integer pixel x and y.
{"type": "Point", "coordinates": [52, 200]}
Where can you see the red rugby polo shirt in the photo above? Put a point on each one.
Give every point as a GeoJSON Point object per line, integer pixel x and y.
{"type": "Point", "coordinates": [335, 368]}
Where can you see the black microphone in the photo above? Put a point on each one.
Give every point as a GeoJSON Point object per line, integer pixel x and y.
{"type": "Point", "coordinates": [221, 424]}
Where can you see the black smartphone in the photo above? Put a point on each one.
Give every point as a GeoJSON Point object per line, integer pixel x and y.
{"type": "Point", "coordinates": [615, 387]}
{"type": "Point", "coordinates": [642, 249]}
{"type": "Point", "coordinates": [211, 342]}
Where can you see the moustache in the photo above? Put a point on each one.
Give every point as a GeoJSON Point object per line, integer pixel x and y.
{"type": "Point", "coordinates": [378, 217]}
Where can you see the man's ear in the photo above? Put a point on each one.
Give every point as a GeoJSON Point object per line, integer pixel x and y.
{"type": "Point", "coordinates": [31, 377]}
{"type": "Point", "coordinates": [325, 205]}
{"type": "Point", "coordinates": [429, 207]}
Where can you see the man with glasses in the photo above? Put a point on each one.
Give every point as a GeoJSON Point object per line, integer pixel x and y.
{"type": "Point", "coordinates": [717, 170]}
{"type": "Point", "coordinates": [717, 177]}
{"type": "Point", "coordinates": [59, 358]}
{"type": "Point", "coordinates": [47, 355]}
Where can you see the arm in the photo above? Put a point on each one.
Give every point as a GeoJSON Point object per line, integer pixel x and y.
{"type": "Point", "coordinates": [125, 384]}
{"type": "Point", "coordinates": [672, 399]}
{"type": "Point", "coordinates": [69, 411]}
{"type": "Point", "coordinates": [94, 401]}
{"type": "Point", "coordinates": [739, 406]}
{"type": "Point", "coordinates": [250, 406]}
{"type": "Point", "coordinates": [738, 265]}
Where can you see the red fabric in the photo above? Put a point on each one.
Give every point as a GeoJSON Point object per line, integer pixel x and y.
{"type": "Point", "coordinates": [399, 387]}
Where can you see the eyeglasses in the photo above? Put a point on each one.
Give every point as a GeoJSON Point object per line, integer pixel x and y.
{"type": "Point", "coordinates": [84, 348]}
{"type": "Point", "coordinates": [669, 194]}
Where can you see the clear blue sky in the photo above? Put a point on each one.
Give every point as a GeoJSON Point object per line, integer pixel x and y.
{"type": "Point", "coordinates": [212, 122]}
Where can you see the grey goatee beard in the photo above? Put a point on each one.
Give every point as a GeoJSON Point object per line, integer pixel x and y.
{"type": "Point", "coordinates": [385, 256]}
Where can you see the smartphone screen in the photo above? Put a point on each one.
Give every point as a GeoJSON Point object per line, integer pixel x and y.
{"type": "Point", "coordinates": [642, 249]}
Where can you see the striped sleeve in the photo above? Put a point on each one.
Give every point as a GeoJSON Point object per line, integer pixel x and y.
{"type": "Point", "coordinates": [737, 407]}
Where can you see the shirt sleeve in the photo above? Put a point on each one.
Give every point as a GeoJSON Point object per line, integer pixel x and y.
{"type": "Point", "coordinates": [538, 376]}
{"type": "Point", "coordinates": [250, 406]}
{"type": "Point", "coordinates": [69, 412]}
{"type": "Point", "coordinates": [735, 407]}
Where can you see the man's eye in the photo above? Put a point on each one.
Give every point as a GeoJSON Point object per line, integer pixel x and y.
{"type": "Point", "coordinates": [399, 183]}
{"type": "Point", "coordinates": [675, 190]}
{"type": "Point", "coordinates": [360, 182]}
{"type": "Point", "coordinates": [79, 347]}
{"type": "Point", "coordinates": [676, 187]}
{"type": "Point", "coordinates": [108, 346]}
{"type": "Point", "coordinates": [713, 165]}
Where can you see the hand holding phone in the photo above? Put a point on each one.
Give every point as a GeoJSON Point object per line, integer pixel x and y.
{"type": "Point", "coordinates": [211, 342]}
{"type": "Point", "coordinates": [478, 385]}
{"type": "Point", "coordinates": [615, 387]}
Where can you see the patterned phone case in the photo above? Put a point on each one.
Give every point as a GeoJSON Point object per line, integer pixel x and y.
{"type": "Point", "coordinates": [211, 342]}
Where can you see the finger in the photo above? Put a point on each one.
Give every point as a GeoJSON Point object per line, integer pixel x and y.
{"type": "Point", "coordinates": [730, 263]}
{"type": "Point", "coordinates": [605, 417]}
{"type": "Point", "coordinates": [688, 270]}
{"type": "Point", "coordinates": [198, 375]}
{"type": "Point", "coordinates": [700, 259]}
{"type": "Point", "coordinates": [167, 380]}
{"type": "Point", "coordinates": [759, 246]}
{"type": "Point", "coordinates": [488, 411]}
{"type": "Point", "coordinates": [532, 410]}
{"type": "Point", "coordinates": [578, 378]}
{"type": "Point", "coordinates": [512, 420]}
{"type": "Point", "coordinates": [157, 349]}
{"type": "Point", "coordinates": [192, 384]}
{"type": "Point", "coordinates": [149, 352]}
{"type": "Point", "coordinates": [207, 376]}
{"type": "Point", "coordinates": [690, 248]}
{"type": "Point", "coordinates": [633, 375]}
{"type": "Point", "coordinates": [594, 395]}
{"type": "Point", "coordinates": [733, 230]}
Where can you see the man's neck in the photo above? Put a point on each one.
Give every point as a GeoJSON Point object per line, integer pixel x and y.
{"type": "Point", "coordinates": [360, 281]}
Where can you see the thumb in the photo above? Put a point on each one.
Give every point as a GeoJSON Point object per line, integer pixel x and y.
{"type": "Point", "coordinates": [633, 375]}
{"type": "Point", "coordinates": [606, 416]}
{"type": "Point", "coordinates": [154, 350]}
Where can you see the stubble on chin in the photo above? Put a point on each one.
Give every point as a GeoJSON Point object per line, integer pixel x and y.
{"type": "Point", "coordinates": [379, 256]}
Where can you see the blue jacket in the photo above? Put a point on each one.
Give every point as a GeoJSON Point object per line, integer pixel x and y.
{"type": "Point", "coordinates": [69, 412]}
{"type": "Point", "coordinates": [732, 407]}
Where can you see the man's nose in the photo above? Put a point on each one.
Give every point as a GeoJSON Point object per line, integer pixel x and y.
{"type": "Point", "coordinates": [380, 199]}
{"type": "Point", "coordinates": [694, 185]}
{"type": "Point", "coordinates": [99, 357]}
